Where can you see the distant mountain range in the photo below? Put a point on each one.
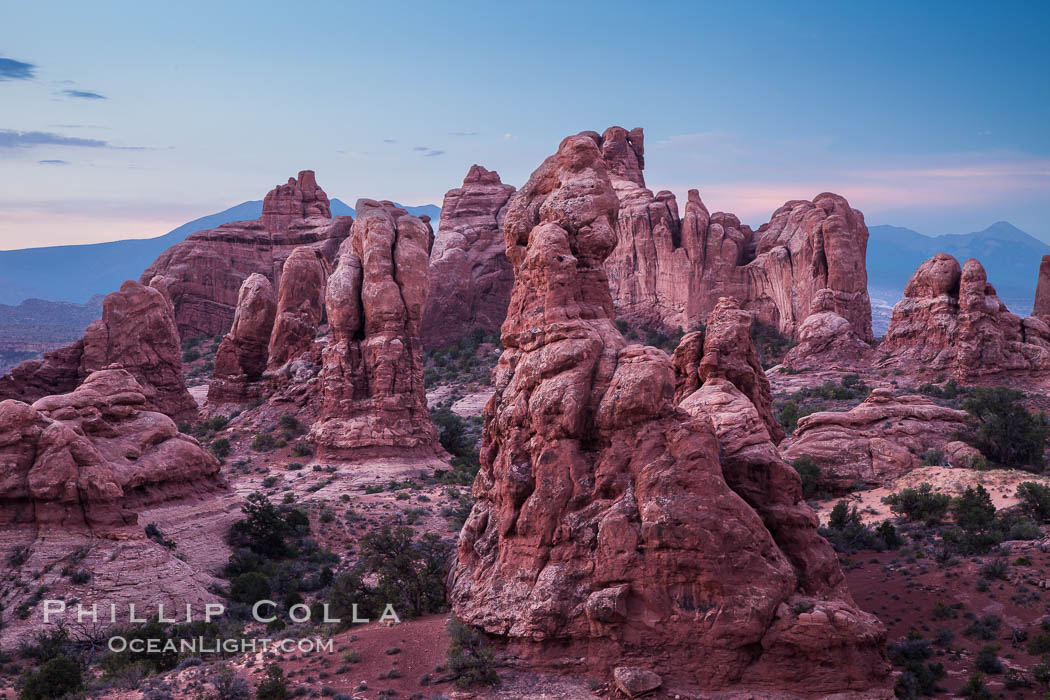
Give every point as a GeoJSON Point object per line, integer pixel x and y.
{"type": "Point", "coordinates": [75, 273]}
{"type": "Point", "coordinates": [71, 278]}
{"type": "Point", "coordinates": [1009, 255]}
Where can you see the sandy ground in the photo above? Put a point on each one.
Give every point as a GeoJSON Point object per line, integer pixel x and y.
{"type": "Point", "coordinates": [1001, 485]}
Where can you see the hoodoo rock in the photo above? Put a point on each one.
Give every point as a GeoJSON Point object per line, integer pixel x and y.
{"type": "Point", "coordinates": [470, 275]}
{"type": "Point", "coordinates": [951, 319]}
{"type": "Point", "coordinates": [373, 397]}
{"type": "Point", "coordinates": [243, 352]}
{"type": "Point", "coordinates": [604, 527]}
{"type": "Point", "coordinates": [300, 306]}
{"type": "Point", "coordinates": [204, 273]}
{"type": "Point", "coordinates": [136, 332]}
{"type": "Point", "coordinates": [301, 198]}
{"type": "Point", "coordinates": [1041, 308]}
{"type": "Point", "coordinates": [875, 442]}
{"type": "Point", "coordinates": [671, 270]}
{"type": "Point", "coordinates": [94, 456]}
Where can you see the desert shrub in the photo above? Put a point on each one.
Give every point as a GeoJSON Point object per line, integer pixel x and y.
{"type": "Point", "coordinates": [264, 442]}
{"type": "Point", "coordinates": [459, 510]}
{"type": "Point", "coordinates": [842, 516]}
{"type": "Point", "coordinates": [273, 686]}
{"type": "Point", "coordinates": [973, 510]}
{"type": "Point", "coordinates": [996, 568]}
{"type": "Point", "coordinates": [889, 535]}
{"type": "Point", "coordinates": [46, 645]}
{"type": "Point", "coordinates": [153, 532]}
{"type": "Point", "coordinates": [452, 431]}
{"type": "Point", "coordinates": [922, 503]}
{"type": "Point", "coordinates": [410, 575]}
{"type": "Point", "coordinates": [987, 660]}
{"type": "Point", "coordinates": [266, 527]}
{"type": "Point", "coordinates": [1003, 429]}
{"type": "Point", "coordinates": [55, 679]}
{"type": "Point", "coordinates": [191, 355]}
{"type": "Point", "coordinates": [918, 678]}
{"type": "Point", "coordinates": [810, 474]}
{"type": "Point", "coordinates": [788, 415]}
{"type": "Point", "coordinates": [949, 391]}
{"type": "Point", "coordinates": [770, 345]}
{"type": "Point", "coordinates": [250, 587]}
{"type": "Point", "coordinates": [220, 448]}
{"type": "Point", "coordinates": [215, 424]}
{"type": "Point", "coordinates": [985, 627]}
{"type": "Point", "coordinates": [975, 688]}
{"type": "Point", "coordinates": [302, 449]}
{"type": "Point", "coordinates": [18, 556]}
{"type": "Point", "coordinates": [933, 458]}
{"type": "Point", "coordinates": [469, 658]}
{"type": "Point", "coordinates": [1035, 500]}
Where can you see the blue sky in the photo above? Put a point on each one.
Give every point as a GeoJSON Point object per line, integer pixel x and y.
{"type": "Point", "coordinates": [126, 119]}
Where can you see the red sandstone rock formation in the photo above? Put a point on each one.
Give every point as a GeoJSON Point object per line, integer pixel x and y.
{"type": "Point", "coordinates": [204, 273]}
{"type": "Point", "coordinates": [95, 455]}
{"type": "Point", "coordinates": [137, 332]}
{"type": "Point", "coordinates": [301, 198]}
{"type": "Point", "coordinates": [243, 353]}
{"type": "Point", "coordinates": [827, 340]}
{"type": "Point", "coordinates": [671, 271]}
{"type": "Point", "coordinates": [951, 319]}
{"type": "Point", "coordinates": [374, 400]}
{"type": "Point", "coordinates": [1041, 308]}
{"type": "Point", "coordinates": [300, 306]}
{"type": "Point", "coordinates": [875, 442]}
{"type": "Point", "coordinates": [470, 275]}
{"type": "Point", "coordinates": [605, 529]}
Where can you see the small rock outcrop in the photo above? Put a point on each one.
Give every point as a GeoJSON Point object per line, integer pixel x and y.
{"type": "Point", "coordinates": [826, 340]}
{"type": "Point", "coordinates": [470, 275]}
{"type": "Point", "coordinates": [136, 332]}
{"type": "Point", "coordinates": [604, 528]}
{"type": "Point", "coordinates": [244, 351]}
{"type": "Point", "coordinates": [300, 306]}
{"type": "Point", "coordinates": [373, 397]}
{"type": "Point", "coordinates": [877, 441]}
{"type": "Point", "coordinates": [204, 273]}
{"type": "Point", "coordinates": [950, 319]}
{"type": "Point", "coordinates": [93, 456]}
{"type": "Point", "coordinates": [670, 270]}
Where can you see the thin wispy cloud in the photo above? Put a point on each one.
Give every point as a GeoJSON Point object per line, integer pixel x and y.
{"type": "Point", "coordinates": [83, 95]}
{"type": "Point", "coordinates": [11, 140]}
{"type": "Point", "coordinates": [10, 69]}
{"type": "Point", "coordinates": [421, 148]}
{"type": "Point", "coordinates": [432, 153]}
{"type": "Point", "coordinates": [427, 151]}
{"type": "Point", "coordinates": [462, 133]}
{"type": "Point", "coordinates": [28, 139]}
{"type": "Point", "coordinates": [53, 162]}
{"type": "Point", "coordinates": [389, 140]}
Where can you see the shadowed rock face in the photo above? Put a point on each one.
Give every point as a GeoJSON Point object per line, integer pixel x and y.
{"type": "Point", "coordinates": [204, 273]}
{"type": "Point", "coordinates": [470, 275]}
{"type": "Point", "coordinates": [93, 456]}
{"type": "Point", "coordinates": [1041, 308]}
{"type": "Point", "coordinates": [136, 332]}
{"type": "Point", "coordinates": [373, 397]}
{"type": "Point", "coordinates": [606, 526]}
{"type": "Point", "coordinates": [951, 319]}
{"type": "Point", "coordinates": [244, 351]}
{"type": "Point", "coordinates": [671, 270]}
{"type": "Point", "coordinates": [875, 442]}
{"type": "Point", "coordinates": [300, 306]}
